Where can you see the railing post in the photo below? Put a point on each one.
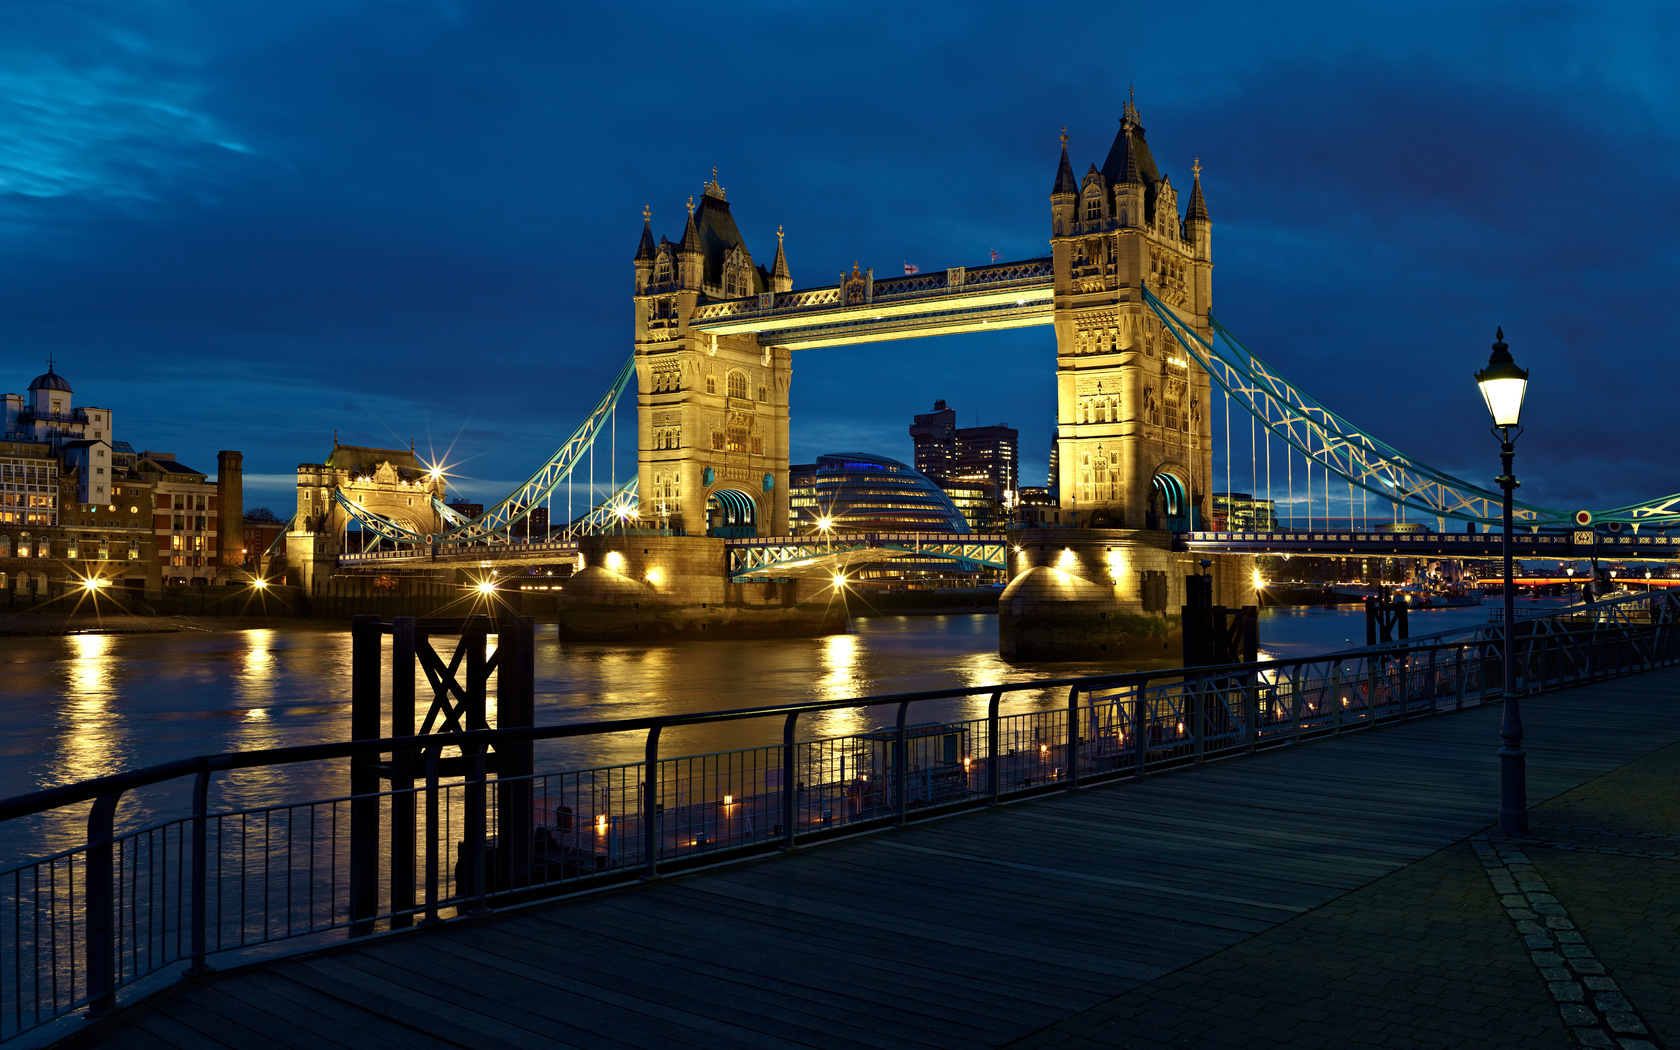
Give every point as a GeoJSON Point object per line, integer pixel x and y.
{"type": "Point", "coordinates": [402, 773]}
{"type": "Point", "coordinates": [1140, 729]}
{"type": "Point", "coordinates": [650, 804]}
{"type": "Point", "coordinates": [901, 774]}
{"type": "Point", "coordinates": [431, 837]}
{"type": "Point", "coordinates": [1073, 738]}
{"type": "Point", "coordinates": [1294, 704]}
{"type": "Point", "coordinates": [99, 904]}
{"type": "Point", "coordinates": [200, 852]}
{"type": "Point", "coordinates": [365, 658]}
{"type": "Point", "coordinates": [1336, 694]}
{"type": "Point", "coordinates": [1460, 675]}
{"type": "Point", "coordinates": [789, 770]}
{"type": "Point", "coordinates": [1196, 701]}
{"type": "Point", "coordinates": [994, 757]}
{"type": "Point", "coordinates": [478, 818]}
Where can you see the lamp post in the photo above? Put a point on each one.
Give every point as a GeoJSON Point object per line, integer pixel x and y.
{"type": "Point", "coordinates": [1503, 384]}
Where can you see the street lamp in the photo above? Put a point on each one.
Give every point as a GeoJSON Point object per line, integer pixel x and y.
{"type": "Point", "coordinates": [1503, 385]}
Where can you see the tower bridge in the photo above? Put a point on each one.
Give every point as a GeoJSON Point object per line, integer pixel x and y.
{"type": "Point", "coordinates": [1148, 383]}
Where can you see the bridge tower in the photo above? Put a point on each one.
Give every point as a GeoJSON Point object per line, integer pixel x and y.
{"type": "Point", "coordinates": [712, 410]}
{"type": "Point", "coordinates": [1133, 431]}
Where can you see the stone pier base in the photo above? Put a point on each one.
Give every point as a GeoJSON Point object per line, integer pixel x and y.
{"type": "Point", "coordinates": [664, 588]}
{"type": "Point", "coordinates": [1084, 594]}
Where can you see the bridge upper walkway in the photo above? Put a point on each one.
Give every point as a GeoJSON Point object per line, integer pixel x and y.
{"type": "Point", "coordinates": [1315, 895]}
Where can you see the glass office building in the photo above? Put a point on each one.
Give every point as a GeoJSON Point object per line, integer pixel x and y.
{"type": "Point", "coordinates": [854, 492]}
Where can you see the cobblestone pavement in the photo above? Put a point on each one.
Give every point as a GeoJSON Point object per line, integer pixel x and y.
{"type": "Point", "coordinates": [1446, 952]}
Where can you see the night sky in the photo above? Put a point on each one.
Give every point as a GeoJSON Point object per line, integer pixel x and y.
{"type": "Point", "coordinates": [246, 225]}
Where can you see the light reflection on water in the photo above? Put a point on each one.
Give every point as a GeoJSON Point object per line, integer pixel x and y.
{"type": "Point", "coordinates": [86, 705]}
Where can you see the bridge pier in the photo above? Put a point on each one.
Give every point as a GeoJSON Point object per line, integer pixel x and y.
{"type": "Point", "coordinates": [1105, 594]}
{"type": "Point", "coordinates": [664, 588]}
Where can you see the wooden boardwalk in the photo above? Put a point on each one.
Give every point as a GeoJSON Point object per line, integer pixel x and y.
{"type": "Point", "coordinates": [971, 931]}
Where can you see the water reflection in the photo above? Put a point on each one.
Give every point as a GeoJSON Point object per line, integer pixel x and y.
{"type": "Point", "coordinates": [90, 743]}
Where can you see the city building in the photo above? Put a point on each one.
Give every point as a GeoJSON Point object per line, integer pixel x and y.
{"type": "Point", "coordinates": [76, 505]}
{"type": "Point", "coordinates": [186, 519]}
{"type": "Point", "coordinates": [47, 415]}
{"type": "Point", "coordinates": [259, 529]}
{"type": "Point", "coordinates": [977, 466]}
{"type": "Point", "coordinates": [50, 539]}
{"type": "Point", "coordinates": [948, 454]}
{"type": "Point", "coordinates": [854, 492]}
{"type": "Point", "coordinates": [1241, 512]}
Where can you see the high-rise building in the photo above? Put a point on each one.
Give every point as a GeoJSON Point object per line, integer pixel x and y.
{"type": "Point", "coordinates": [935, 436]}
{"type": "Point", "coordinates": [980, 462]}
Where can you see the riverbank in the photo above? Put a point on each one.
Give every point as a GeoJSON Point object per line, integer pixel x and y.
{"type": "Point", "coordinates": [53, 623]}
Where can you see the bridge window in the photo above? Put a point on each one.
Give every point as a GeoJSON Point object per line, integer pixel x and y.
{"type": "Point", "coordinates": [717, 441]}
{"type": "Point", "coordinates": [133, 550]}
{"type": "Point", "coordinates": [711, 384]}
{"type": "Point", "coordinates": [738, 385]}
{"type": "Point", "coordinates": [663, 273]}
{"type": "Point", "coordinates": [5, 546]}
{"type": "Point", "coordinates": [758, 446]}
{"type": "Point", "coordinates": [737, 439]}
{"type": "Point", "coordinates": [1122, 216]}
{"type": "Point", "coordinates": [763, 393]}
{"type": "Point", "coordinates": [1093, 208]}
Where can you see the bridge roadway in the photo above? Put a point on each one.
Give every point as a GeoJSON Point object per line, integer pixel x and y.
{"type": "Point", "coordinates": [1333, 874]}
{"type": "Point", "coordinates": [1332, 543]}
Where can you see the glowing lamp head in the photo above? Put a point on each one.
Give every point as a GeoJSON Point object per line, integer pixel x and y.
{"type": "Point", "coordinates": [825, 523]}
{"type": "Point", "coordinates": [839, 579]}
{"type": "Point", "coordinates": [259, 583]}
{"type": "Point", "coordinates": [90, 584]}
{"type": "Point", "coordinates": [486, 587]}
{"type": "Point", "coordinates": [1503, 384]}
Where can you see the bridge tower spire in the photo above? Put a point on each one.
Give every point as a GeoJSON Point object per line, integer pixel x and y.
{"type": "Point", "coordinates": [1133, 431]}
{"type": "Point", "coordinates": [712, 410]}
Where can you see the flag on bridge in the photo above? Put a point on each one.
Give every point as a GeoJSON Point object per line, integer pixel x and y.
{"type": "Point", "coordinates": [910, 268]}
{"type": "Point", "coordinates": [996, 255]}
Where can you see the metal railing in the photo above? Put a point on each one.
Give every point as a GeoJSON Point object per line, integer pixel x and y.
{"type": "Point", "coordinates": [217, 887]}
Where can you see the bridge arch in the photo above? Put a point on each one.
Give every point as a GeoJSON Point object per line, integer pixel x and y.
{"type": "Point", "coordinates": [1169, 501]}
{"type": "Point", "coordinates": [731, 513]}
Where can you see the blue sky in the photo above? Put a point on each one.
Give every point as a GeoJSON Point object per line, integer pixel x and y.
{"type": "Point", "coordinates": [247, 225]}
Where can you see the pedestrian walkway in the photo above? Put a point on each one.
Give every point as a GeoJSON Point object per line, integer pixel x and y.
{"type": "Point", "coordinates": [1339, 894]}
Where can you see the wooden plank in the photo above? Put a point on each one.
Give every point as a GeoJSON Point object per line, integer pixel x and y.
{"type": "Point", "coordinates": [653, 1003]}
{"type": "Point", "coordinates": [765, 957]}
{"type": "Point", "coordinates": [365, 1029]}
{"type": "Point", "coordinates": [457, 1023]}
{"type": "Point", "coordinates": [780, 1009]}
{"type": "Point", "coordinates": [683, 990]}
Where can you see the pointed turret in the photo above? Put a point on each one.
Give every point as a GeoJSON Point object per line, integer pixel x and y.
{"type": "Point", "coordinates": [691, 236]}
{"type": "Point", "coordinates": [781, 279]}
{"type": "Point", "coordinates": [691, 254]}
{"type": "Point", "coordinates": [1198, 206]}
{"type": "Point", "coordinates": [644, 250]}
{"type": "Point", "coordinates": [1198, 228]}
{"type": "Point", "coordinates": [1064, 173]}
